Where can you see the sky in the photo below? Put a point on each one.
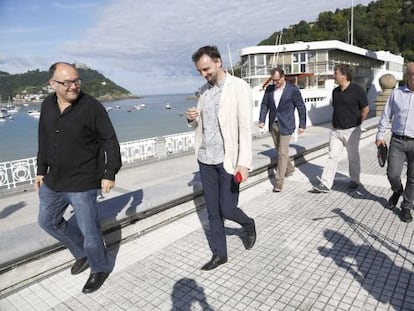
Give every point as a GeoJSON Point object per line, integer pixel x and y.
{"type": "Point", "coordinates": [143, 46]}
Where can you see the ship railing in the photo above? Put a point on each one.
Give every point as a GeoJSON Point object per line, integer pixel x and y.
{"type": "Point", "coordinates": [22, 172]}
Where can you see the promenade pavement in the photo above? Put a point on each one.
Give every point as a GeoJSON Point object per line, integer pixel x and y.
{"type": "Point", "coordinates": [337, 251]}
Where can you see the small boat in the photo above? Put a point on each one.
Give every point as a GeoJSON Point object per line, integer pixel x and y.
{"type": "Point", "coordinates": [139, 106]}
{"type": "Point", "coordinates": [12, 109]}
{"type": "Point", "coordinates": [108, 108]}
{"type": "Point", "coordinates": [34, 113]}
{"type": "Point", "coordinates": [4, 113]}
{"type": "Point", "coordinates": [167, 106]}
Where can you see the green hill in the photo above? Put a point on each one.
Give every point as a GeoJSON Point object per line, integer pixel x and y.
{"type": "Point", "coordinates": [35, 82]}
{"type": "Point", "coordinates": [381, 25]}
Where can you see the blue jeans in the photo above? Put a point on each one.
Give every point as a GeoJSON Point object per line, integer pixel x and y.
{"type": "Point", "coordinates": [82, 238]}
{"type": "Point", "coordinates": [221, 195]}
{"type": "Point", "coordinates": [399, 152]}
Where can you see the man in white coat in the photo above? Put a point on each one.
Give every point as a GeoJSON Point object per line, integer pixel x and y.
{"type": "Point", "coordinates": [223, 146]}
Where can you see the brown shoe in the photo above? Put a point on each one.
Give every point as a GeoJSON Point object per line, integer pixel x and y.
{"type": "Point", "coordinates": [278, 187]}
{"type": "Point", "coordinates": [289, 173]}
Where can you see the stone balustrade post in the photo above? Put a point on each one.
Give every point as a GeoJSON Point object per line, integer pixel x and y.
{"type": "Point", "coordinates": [387, 83]}
{"type": "Point", "coordinates": [160, 150]}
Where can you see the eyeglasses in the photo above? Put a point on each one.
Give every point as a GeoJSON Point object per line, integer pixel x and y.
{"type": "Point", "coordinates": [68, 83]}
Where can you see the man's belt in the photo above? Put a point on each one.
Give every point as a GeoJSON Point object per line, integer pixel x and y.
{"type": "Point", "coordinates": [402, 137]}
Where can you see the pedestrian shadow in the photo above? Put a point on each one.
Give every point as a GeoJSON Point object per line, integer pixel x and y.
{"type": "Point", "coordinates": [109, 210]}
{"type": "Point", "coordinates": [371, 268]}
{"type": "Point", "coordinates": [112, 217]}
{"type": "Point", "coordinates": [308, 169]}
{"type": "Point", "coordinates": [8, 210]}
{"type": "Point", "coordinates": [187, 294]}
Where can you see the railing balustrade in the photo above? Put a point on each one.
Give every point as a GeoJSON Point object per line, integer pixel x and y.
{"type": "Point", "coordinates": [23, 171]}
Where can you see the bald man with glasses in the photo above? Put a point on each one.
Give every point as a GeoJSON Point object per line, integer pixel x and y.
{"type": "Point", "coordinates": [78, 153]}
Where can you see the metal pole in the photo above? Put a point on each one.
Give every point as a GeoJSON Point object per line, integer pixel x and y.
{"type": "Point", "coordinates": [352, 23]}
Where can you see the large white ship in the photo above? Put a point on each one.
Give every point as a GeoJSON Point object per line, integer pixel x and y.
{"type": "Point", "coordinates": [310, 66]}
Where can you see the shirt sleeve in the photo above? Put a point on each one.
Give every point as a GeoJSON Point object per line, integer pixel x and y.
{"type": "Point", "coordinates": [108, 141]}
{"type": "Point", "coordinates": [42, 165]}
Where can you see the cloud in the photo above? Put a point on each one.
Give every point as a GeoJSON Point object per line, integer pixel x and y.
{"type": "Point", "coordinates": [139, 43]}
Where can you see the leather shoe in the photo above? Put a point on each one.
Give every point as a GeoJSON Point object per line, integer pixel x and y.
{"type": "Point", "coordinates": [289, 173]}
{"type": "Point", "coordinates": [214, 263]}
{"type": "Point", "coordinates": [250, 235]}
{"type": "Point", "coordinates": [94, 282]}
{"type": "Point", "coordinates": [79, 266]}
{"type": "Point", "coordinates": [393, 200]}
{"type": "Point", "coordinates": [278, 187]}
{"type": "Point", "coordinates": [406, 215]}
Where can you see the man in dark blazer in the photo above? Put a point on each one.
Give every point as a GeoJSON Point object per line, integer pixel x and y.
{"type": "Point", "coordinates": [280, 100]}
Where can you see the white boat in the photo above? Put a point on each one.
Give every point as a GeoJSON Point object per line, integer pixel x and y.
{"type": "Point", "coordinates": [4, 114]}
{"type": "Point", "coordinates": [34, 113]}
{"type": "Point", "coordinates": [167, 106]}
{"type": "Point", "coordinates": [12, 109]}
{"type": "Point", "coordinates": [139, 106]}
{"type": "Point", "coordinates": [310, 65]}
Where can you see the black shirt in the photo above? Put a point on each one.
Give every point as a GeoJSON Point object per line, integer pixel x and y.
{"type": "Point", "coordinates": [347, 105]}
{"type": "Point", "coordinates": [78, 147]}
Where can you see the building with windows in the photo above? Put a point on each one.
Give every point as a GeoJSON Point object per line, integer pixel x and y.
{"type": "Point", "coordinates": [310, 66]}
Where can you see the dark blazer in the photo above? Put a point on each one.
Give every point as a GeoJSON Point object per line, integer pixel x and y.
{"type": "Point", "coordinates": [291, 99]}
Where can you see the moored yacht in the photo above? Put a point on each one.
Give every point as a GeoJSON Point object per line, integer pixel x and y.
{"type": "Point", "coordinates": [310, 65]}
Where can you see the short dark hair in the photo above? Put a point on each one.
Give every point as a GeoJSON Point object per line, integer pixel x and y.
{"type": "Point", "coordinates": [209, 50]}
{"type": "Point", "coordinates": [345, 70]}
{"type": "Point", "coordinates": [52, 68]}
{"type": "Point", "coordinates": [277, 69]}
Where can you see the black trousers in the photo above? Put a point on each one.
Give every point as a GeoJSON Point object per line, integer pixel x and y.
{"type": "Point", "coordinates": [221, 195]}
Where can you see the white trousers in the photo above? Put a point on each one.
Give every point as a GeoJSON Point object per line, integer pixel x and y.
{"type": "Point", "coordinates": [339, 139]}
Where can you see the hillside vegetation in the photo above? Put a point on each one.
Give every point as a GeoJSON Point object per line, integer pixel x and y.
{"type": "Point", "coordinates": [381, 25]}
{"type": "Point", "coordinates": [36, 81]}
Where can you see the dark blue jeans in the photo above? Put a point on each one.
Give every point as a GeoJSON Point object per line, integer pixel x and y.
{"type": "Point", "coordinates": [221, 195]}
{"type": "Point", "coordinates": [399, 152]}
{"type": "Point", "coordinates": [82, 239]}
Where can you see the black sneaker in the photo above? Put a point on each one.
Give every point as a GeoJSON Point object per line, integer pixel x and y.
{"type": "Point", "coordinates": [321, 188]}
{"type": "Point", "coordinates": [353, 186]}
{"type": "Point", "coordinates": [393, 200]}
{"type": "Point", "coordinates": [406, 215]}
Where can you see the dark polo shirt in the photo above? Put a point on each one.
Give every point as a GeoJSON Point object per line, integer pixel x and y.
{"type": "Point", "coordinates": [347, 105]}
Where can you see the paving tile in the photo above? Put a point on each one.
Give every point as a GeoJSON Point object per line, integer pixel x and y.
{"type": "Point", "coordinates": [338, 251]}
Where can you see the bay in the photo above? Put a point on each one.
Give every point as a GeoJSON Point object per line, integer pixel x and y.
{"type": "Point", "coordinates": [18, 137]}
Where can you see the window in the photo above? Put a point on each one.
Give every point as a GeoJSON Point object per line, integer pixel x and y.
{"type": "Point", "coordinates": [299, 62]}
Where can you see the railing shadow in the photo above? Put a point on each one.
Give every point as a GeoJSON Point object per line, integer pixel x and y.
{"type": "Point", "coordinates": [199, 203]}
{"type": "Point", "coordinates": [186, 293]}
{"type": "Point", "coordinates": [375, 271]}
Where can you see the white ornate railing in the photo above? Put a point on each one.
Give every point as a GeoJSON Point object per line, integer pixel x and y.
{"type": "Point", "coordinates": [179, 142]}
{"type": "Point", "coordinates": [18, 172]}
{"type": "Point", "coordinates": [136, 150]}
{"type": "Point", "coordinates": [14, 173]}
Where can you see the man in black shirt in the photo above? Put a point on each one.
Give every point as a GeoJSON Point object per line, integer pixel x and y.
{"type": "Point", "coordinates": [78, 154]}
{"type": "Point", "coordinates": [350, 108]}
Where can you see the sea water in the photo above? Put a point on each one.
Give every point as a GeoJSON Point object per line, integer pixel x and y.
{"type": "Point", "coordinates": [18, 137]}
